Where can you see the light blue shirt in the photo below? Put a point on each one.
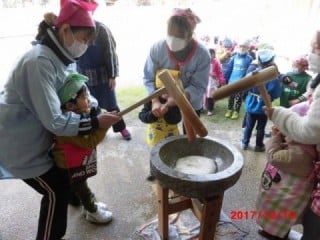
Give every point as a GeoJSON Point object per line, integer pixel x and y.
{"type": "Point", "coordinates": [30, 113]}
{"type": "Point", "coordinates": [194, 73]}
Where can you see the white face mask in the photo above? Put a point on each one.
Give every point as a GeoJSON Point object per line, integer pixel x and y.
{"type": "Point", "coordinates": [176, 44]}
{"type": "Point", "coordinates": [314, 62]}
{"type": "Point", "coordinates": [295, 70]}
{"type": "Point", "coordinates": [77, 48]}
{"type": "Point", "coordinates": [242, 51]}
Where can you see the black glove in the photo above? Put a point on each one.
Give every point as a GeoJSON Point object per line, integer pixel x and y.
{"type": "Point", "coordinates": [286, 79]}
{"type": "Point", "coordinates": [315, 81]}
{"type": "Point", "coordinates": [95, 111]}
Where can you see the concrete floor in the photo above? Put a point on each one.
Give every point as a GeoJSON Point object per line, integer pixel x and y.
{"type": "Point", "coordinates": [123, 167]}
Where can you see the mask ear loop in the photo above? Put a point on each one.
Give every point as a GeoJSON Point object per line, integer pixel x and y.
{"type": "Point", "coordinates": [64, 39]}
{"type": "Point", "coordinates": [73, 38]}
{"type": "Point", "coordinates": [315, 44]}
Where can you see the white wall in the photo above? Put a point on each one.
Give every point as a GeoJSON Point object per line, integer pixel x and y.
{"type": "Point", "coordinates": [281, 23]}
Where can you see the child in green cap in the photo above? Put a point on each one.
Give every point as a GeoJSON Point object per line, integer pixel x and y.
{"type": "Point", "coordinates": [78, 154]}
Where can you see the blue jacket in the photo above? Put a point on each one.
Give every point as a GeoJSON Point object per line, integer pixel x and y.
{"type": "Point", "coordinates": [254, 102]}
{"type": "Point", "coordinates": [237, 67]}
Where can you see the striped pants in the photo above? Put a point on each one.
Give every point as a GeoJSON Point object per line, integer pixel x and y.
{"type": "Point", "coordinates": [55, 188]}
{"type": "Point", "coordinates": [235, 102]}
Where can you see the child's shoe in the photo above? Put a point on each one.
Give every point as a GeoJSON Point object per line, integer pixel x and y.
{"type": "Point", "coordinates": [150, 178]}
{"type": "Point", "coordinates": [210, 113]}
{"type": "Point", "coordinates": [126, 134]}
{"type": "Point", "coordinates": [259, 149]}
{"type": "Point", "coordinates": [99, 216]}
{"type": "Point", "coordinates": [101, 205]}
{"type": "Point", "coordinates": [244, 146]}
{"type": "Point", "coordinates": [268, 134]}
{"type": "Point", "coordinates": [98, 204]}
{"type": "Point", "coordinates": [228, 113]}
{"type": "Point", "coordinates": [271, 237]}
{"type": "Point", "coordinates": [235, 115]}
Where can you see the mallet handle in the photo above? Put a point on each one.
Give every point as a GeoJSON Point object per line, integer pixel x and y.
{"type": "Point", "coordinates": [265, 96]}
{"type": "Point", "coordinates": [155, 94]}
{"type": "Point", "coordinates": [246, 83]}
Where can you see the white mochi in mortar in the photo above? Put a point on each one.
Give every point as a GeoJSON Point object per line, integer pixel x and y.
{"type": "Point", "coordinates": [194, 164]}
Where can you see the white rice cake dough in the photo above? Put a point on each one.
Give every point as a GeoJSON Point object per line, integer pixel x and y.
{"type": "Point", "coordinates": [197, 165]}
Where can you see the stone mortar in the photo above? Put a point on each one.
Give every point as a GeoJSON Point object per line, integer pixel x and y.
{"type": "Point", "coordinates": [228, 159]}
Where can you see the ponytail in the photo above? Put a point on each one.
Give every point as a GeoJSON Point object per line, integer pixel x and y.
{"type": "Point", "coordinates": [46, 23]}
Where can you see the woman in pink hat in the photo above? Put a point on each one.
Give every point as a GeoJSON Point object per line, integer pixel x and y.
{"type": "Point", "coordinates": [181, 52]}
{"type": "Point", "coordinates": [30, 113]}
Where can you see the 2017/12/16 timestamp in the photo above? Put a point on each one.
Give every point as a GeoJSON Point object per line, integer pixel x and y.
{"type": "Point", "coordinates": [254, 215]}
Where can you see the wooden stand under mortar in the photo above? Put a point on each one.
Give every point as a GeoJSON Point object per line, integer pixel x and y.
{"type": "Point", "coordinates": [207, 211]}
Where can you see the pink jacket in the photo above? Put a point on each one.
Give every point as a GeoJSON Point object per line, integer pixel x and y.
{"type": "Point", "coordinates": [216, 71]}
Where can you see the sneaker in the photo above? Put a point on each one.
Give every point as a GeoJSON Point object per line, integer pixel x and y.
{"type": "Point", "coordinates": [235, 115]}
{"type": "Point", "coordinates": [150, 178]}
{"type": "Point", "coordinates": [228, 114]}
{"type": "Point", "coordinates": [98, 204]}
{"type": "Point", "coordinates": [267, 135]}
{"type": "Point", "coordinates": [272, 237]}
{"type": "Point", "coordinates": [100, 216]}
{"type": "Point", "coordinates": [210, 113]}
{"type": "Point", "coordinates": [126, 134]}
{"type": "Point", "coordinates": [101, 205]}
{"type": "Point", "coordinates": [244, 146]}
{"type": "Point", "coordinates": [259, 149]}
{"type": "Point", "coordinates": [204, 108]}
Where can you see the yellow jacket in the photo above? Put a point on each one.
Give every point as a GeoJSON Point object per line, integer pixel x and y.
{"type": "Point", "coordinates": [82, 141]}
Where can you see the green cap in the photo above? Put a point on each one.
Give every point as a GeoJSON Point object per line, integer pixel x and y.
{"type": "Point", "coordinates": [71, 86]}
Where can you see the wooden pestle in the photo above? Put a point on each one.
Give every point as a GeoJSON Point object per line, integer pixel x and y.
{"type": "Point", "coordinates": [191, 134]}
{"type": "Point", "coordinates": [183, 103]}
{"type": "Point", "coordinates": [255, 80]}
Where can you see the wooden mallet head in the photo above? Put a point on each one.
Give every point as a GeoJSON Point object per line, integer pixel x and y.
{"type": "Point", "coordinates": [182, 102]}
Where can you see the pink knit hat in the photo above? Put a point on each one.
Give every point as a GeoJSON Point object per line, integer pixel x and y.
{"type": "Point", "coordinates": [187, 13]}
{"type": "Point", "coordinates": [301, 61]}
{"type": "Point", "coordinates": [76, 13]}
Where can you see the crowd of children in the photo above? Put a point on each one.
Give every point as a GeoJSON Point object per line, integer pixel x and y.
{"type": "Point", "coordinates": [289, 179]}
